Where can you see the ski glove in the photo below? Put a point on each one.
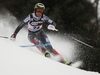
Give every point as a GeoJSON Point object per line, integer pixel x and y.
{"type": "Point", "coordinates": [13, 37]}
{"type": "Point", "coordinates": [51, 27]}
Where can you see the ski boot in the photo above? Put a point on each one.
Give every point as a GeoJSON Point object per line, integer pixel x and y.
{"type": "Point", "coordinates": [67, 63]}
{"type": "Point", "coordinates": [47, 54]}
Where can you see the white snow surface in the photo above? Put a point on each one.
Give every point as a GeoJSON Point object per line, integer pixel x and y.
{"type": "Point", "coordinates": [15, 60]}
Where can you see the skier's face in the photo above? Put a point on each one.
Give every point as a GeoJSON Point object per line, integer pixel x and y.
{"type": "Point", "coordinates": [39, 12]}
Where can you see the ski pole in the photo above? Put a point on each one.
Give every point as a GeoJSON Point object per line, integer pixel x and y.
{"type": "Point", "coordinates": [80, 41]}
{"type": "Point", "coordinates": [4, 37]}
{"type": "Point", "coordinates": [36, 45]}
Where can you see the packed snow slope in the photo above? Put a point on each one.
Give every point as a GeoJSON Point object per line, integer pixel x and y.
{"type": "Point", "coordinates": [15, 60]}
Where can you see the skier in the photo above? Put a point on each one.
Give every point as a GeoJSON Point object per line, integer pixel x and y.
{"type": "Point", "coordinates": [36, 34]}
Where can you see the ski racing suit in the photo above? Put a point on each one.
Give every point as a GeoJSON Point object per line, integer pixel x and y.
{"type": "Point", "coordinates": [35, 31]}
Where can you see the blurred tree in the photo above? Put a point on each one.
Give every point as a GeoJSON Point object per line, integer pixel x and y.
{"type": "Point", "coordinates": [19, 8]}
{"type": "Point", "coordinates": [70, 15]}
{"type": "Point", "coordinates": [96, 2]}
{"type": "Point", "coordinates": [76, 14]}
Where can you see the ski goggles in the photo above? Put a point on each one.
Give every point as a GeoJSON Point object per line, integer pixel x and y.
{"type": "Point", "coordinates": [39, 10]}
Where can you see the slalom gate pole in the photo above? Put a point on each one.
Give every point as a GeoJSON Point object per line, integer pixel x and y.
{"type": "Point", "coordinates": [80, 41]}
{"type": "Point", "coordinates": [4, 37]}
{"type": "Point", "coordinates": [36, 45]}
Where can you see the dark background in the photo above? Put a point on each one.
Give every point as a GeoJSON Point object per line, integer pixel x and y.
{"type": "Point", "coordinates": [78, 17]}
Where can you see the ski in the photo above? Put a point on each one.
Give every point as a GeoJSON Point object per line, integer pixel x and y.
{"type": "Point", "coordinates": [36, 45]}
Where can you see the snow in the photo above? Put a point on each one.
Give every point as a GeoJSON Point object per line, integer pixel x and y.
{"type": "Point", "coordinates": [15, 60]}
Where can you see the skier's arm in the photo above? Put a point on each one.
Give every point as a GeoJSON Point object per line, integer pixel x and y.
{"type": "Point", "coordinates": [19, 27]}
{"type": "Point", "coordinates": [51, 23]}
{"type": "Point", "coordinates": [25, 21]}
{"type": "Point", "coordinates": [13, 36]}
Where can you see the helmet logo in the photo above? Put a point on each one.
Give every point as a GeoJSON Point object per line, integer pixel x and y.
{"type": "Point", "coordinates": [41, 6]}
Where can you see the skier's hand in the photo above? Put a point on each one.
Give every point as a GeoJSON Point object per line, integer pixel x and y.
{"type": "Point", "coordinates": [51, 27]}
{"type": "Point", "coordinates": [13, 37]}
